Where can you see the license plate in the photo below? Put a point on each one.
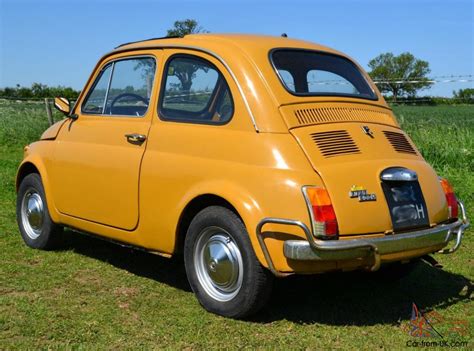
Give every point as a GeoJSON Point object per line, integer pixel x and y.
{"type": "Point", "coordinates": [407, 205]}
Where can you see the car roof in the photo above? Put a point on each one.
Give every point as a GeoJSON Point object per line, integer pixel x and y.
{"type": "Point", "coordinates": [245, 42]}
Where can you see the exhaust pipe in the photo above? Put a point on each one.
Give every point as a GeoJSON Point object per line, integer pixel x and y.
{"type": "Point", "coordinates": [432, 261]}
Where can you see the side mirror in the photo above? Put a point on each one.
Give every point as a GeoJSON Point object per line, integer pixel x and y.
{"type": "Point", "coordinates": [63, 105]}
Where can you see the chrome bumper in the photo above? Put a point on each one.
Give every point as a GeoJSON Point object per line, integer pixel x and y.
{"type": "Point", "coordinates": [313, 249]}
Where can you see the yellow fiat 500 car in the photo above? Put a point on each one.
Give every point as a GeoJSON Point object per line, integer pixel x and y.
{"type": "Point", "coordinates": [252, 156]}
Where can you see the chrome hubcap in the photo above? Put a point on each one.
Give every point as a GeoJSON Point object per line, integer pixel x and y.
{"type": "Point", "coordinates": [32, 213]}
{"type": "Point", "coordinates": [218, 264]}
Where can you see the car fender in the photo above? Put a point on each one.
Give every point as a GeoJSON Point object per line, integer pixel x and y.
{"type": "Point", "coordinates": [241, 199]}
{"type": "Point", "coordinates": [35, 159]}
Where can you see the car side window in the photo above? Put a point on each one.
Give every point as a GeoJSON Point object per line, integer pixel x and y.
{"type": "Point", "coordinates": [123, 88]}
{"type": "Point", "coordinates": [95, 101]}
{"type": "Point", "coordinates": [195, 91]}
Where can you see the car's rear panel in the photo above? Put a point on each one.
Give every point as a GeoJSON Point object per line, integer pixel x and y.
{"type": "Point", "coordinates": [349, 145]}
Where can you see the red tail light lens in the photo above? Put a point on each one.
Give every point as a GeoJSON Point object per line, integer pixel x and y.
{"type": "Point", "coordinates": [450, 198]}
{"type": "Point", "coordinates": [322, 211]}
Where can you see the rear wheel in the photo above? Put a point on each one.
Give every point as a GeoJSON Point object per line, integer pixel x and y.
{"type": "Point", "coordinates": [221, 265]}
{"type": "Point", "coordinates": [36, 227]}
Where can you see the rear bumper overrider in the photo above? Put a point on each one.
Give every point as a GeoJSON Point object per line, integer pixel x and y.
{"type": "Point", "coordinates": [313, 249]}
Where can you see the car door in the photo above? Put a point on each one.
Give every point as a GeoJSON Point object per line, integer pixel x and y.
{"type": "Point", "coordinates": [96, 168]}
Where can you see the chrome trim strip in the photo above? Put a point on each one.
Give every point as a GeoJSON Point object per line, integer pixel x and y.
{"type": "Point", "coordinates": [399, 174]}
{"type": "Point", "coordinates": [309, 206]}
{"type": "Point", "coordinates": [209, 52]}
{"type": "Point", "coordinates": [108, 88]}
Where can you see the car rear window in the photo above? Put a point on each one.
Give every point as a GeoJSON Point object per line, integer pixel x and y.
{"type": "Point", "coordinates": [312, 73]}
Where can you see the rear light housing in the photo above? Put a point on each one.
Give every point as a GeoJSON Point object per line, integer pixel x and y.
{"type": "Point", "coordinates": [451, 199]}
{"type": "Point", "coordinates": [321, 211]}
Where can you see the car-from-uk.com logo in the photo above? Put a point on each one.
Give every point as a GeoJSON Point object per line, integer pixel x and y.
{"type": "Point", "coordinates": [431, 329]}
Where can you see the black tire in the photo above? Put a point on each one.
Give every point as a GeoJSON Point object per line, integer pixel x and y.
{"type": "Point", "coordinates": [254, 281]}
{"type": "Point", "coordinates": [44, 234]}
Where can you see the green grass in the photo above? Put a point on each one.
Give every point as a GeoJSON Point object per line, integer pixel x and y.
{"type": "Point", "coordinates": [96, 295]}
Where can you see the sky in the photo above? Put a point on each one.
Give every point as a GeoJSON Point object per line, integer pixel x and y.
{"type": "Point", "coordinates": [59, 42]}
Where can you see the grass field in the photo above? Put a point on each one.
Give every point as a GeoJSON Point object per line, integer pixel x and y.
{"type": "Point", "coordinates": [96, 295]}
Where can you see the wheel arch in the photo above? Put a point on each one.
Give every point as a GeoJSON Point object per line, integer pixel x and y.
{"type": "Point", "coordinates": [193, 207]}
{"type": "Point", "coordinates": [31, 165]}
{"type": "Point", "coordinates": [25, 169]}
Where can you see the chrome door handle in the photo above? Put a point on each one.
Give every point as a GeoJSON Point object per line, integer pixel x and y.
{"type": "Point", "coordinates": [135, 138]}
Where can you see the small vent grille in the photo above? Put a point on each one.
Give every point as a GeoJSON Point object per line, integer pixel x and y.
{"type": "Point", "coordinates": [399, 142]}
{"type": "Point", "coordinates": [339, 114]}
{"type": "Point", "coordinates": [335, 143]}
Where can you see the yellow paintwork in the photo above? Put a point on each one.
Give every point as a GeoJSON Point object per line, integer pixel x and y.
{"type": "Point", "coordinates": [52, 132]}
{"type": "Point", "coordinates": [99, 183]}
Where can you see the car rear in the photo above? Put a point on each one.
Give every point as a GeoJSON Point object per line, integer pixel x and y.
{"type": "Point", "coordinates": [379, 196]}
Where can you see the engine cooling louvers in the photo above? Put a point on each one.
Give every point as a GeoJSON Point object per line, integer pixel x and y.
{"type": "Point", "coordinates": [399, 142]}
{"type": "Point", "coordinates": [307, 116]}
{"type": "Point", "coordinates": [335, 143]}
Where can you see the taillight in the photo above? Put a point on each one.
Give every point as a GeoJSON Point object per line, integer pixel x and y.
{"type": "Point", "coordinates": [450, 198]}
{"type": "Point", "coordinates": [322, 212]}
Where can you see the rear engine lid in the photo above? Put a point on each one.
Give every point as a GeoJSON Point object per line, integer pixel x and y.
{"type": "Point", "coordinates": [350, 158]}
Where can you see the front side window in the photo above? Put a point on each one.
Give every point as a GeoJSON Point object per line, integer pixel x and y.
{"type": "Point", "coordinates": [195, 91]}
{"type": "Point", "coordinates": [96, 99]}
{"type": "Point", "coordinates": [123, 88]}
{"type": "Point", "coordinates": [310, 73]}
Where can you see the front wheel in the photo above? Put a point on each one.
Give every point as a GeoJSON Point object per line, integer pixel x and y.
{"type": "Point", "coordinates": [36, 227]}
{"type": "Point", "coordinates": [221, 265]}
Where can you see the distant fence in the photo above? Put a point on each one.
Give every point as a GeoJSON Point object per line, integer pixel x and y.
{"type": "Point", "coordinates": [465, 78]}
{"type": "Point", "coordinates": [48, 104]}
{"type": "Point", "coordinates": [431, 101]}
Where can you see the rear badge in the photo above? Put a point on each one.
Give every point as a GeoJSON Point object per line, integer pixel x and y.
{"type": "Point", "coordinates": [360, 192]}
{"type": "Point", "coordinates": [367, 131]}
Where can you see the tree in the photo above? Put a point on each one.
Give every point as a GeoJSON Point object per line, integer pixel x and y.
{"type": "Point", "coordinates": [39, 90]}
{"type": "Point", "coordinates": [183, 71]}
{"type": "Point", "coordinates": [147, 67]}
{"type": "Point", "coordinates": [464, 95]}
{"type": "Point", "coordinates": [184, 27]}
{"type": "Point", "coordinates": [401, 75]}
